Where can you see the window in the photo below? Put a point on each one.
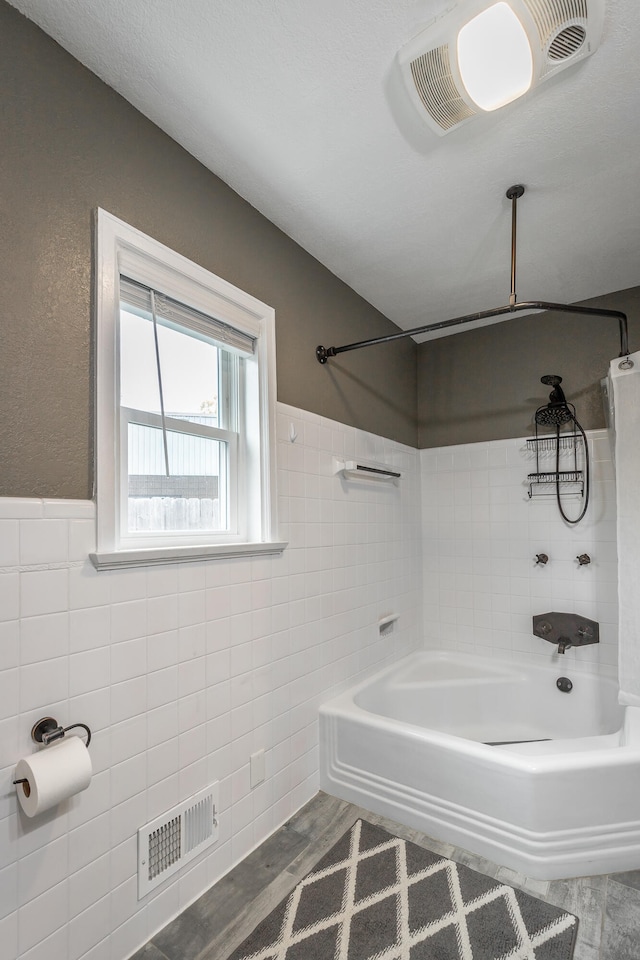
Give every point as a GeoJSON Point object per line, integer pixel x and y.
{"type": "Point", "coordinates": [185, 402]}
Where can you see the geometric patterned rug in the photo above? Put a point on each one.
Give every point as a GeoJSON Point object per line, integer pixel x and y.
{"type": "Point", "coordinates": [377, 897]}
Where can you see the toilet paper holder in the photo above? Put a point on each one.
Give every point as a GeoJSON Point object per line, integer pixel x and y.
{"type": "Point", "coordinates": [47, 730]}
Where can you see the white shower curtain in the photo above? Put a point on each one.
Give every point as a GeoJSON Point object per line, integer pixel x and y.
{"type": "Point", "coordinates": [625, 389]}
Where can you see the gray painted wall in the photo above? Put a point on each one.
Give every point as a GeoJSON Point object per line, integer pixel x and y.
{"type": "Point", "coordinates": [69, 145]}
{"type": "Point", "coordinates": [485, 384]}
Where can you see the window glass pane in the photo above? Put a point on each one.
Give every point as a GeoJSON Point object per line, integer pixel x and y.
{"type": "Point", "coordinates": [189, 369]}
{"type": "Point", "coordinates": [138, 368]}
{"type": "Point", "coordinates": [192, 498]}
{"type": "Point", "coordinates": [189, 377]}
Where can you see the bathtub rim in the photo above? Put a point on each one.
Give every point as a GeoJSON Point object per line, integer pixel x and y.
{"type": "Point", "coordinates": [344, 704]}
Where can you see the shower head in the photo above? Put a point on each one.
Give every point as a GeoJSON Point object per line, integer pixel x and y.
{"type": "Point", "coordinates": [553, 415]}
{"type": "Point", "coordinates": [556, 412]}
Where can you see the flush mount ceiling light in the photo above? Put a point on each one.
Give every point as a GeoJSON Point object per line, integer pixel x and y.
{"type": "Point", "coordinates": [482, 55]}
{"type": "Point", "coordinates": [494, 57]}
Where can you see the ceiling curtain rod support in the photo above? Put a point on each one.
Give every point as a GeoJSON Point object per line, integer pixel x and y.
{"type": "Point", "coordinates": [513, 194]}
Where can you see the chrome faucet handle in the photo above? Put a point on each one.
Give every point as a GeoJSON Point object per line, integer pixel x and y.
{"type": "Point", "coordinates": [541, 558]}
{"type": "Point", "coordinates": [583, 559]}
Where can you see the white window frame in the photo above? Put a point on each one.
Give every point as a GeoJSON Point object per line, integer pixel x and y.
{"type": "Point", "coordinates": [124, 250]}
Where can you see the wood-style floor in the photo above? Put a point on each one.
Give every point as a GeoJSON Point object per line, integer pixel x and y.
{"type": "Point", "coordinates": [608, 907]}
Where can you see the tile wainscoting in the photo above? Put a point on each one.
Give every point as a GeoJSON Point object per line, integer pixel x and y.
{"type": "Point", "coordinates": [183, 671]}
{"type": "Point", "coordinates": [481, 533]}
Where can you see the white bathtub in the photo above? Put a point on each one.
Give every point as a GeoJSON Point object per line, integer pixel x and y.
{"type": "Point", "coordinates": [412, 743]}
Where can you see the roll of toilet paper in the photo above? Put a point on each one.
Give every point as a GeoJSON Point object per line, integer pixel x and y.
{"type": "Point", "coordinates": [52, 775]}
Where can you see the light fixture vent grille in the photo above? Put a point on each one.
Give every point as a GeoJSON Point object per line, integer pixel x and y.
{"type": "Point", "coordinates": [551, 15]}
{"type": "Point", "coordinates": [170, 841]}
{"type": "Point", "coordinates": [567, 42]}
{"type": "Point", "coordinates": [434, 83]}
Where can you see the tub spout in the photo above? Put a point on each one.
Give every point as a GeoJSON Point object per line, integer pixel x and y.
{"type": "Point", "coordinates": [563, 644]}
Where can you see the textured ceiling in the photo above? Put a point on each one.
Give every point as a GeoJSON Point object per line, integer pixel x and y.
{"type": "Point", "coordinates": [297, 106]}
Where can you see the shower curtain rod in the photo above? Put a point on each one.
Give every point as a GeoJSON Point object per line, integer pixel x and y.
{"type": "Point", "coordinates": [513, 194]}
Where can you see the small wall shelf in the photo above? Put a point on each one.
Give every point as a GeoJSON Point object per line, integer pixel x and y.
{"type": "Point", "coordinates": [365, 470]}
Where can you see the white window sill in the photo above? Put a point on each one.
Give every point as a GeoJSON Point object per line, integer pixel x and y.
{"type": "Point", "coordinates": [157, 555]}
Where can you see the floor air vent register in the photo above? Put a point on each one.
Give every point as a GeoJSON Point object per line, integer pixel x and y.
{"type": "Point", "coordinates": [172, 840]}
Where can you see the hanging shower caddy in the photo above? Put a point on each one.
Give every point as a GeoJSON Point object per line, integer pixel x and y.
{"type": "Point", "coordinates": [542, 482]}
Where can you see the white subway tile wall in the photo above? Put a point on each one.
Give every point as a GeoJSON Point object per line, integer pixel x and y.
{"type": "Point", "coordinates": [182, 672]}
{"type": "Point", "coordinates": [481, 533]}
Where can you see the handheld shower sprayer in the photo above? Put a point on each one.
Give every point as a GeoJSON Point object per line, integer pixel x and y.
{"type": "Point", "coordinates": [556, 413]}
